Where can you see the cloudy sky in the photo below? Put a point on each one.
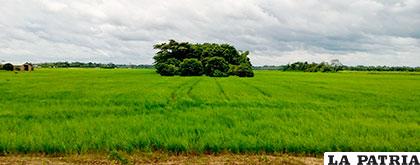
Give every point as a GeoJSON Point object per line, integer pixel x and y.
{"type": "Point", "coordinates": [368, 32]}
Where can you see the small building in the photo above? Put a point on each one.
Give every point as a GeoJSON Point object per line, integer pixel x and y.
{"type": "Point", "coordinates": [27, 67]}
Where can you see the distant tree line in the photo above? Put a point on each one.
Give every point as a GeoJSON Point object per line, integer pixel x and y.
{"type": "Point", "coordinates": [215, 60]}
{"type": "Point", "coordinates": [89, 65]}
{"type": "Point", "coordinates": [334, 66]}
{"type": "Point", "coordinates": [382, 68]}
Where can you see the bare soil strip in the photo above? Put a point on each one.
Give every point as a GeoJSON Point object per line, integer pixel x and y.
{"type": "Point", "coordinates": [159, 158]}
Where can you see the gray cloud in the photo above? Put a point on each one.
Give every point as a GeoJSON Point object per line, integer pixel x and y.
{"type": "Point", "coordinates": [369, 32]}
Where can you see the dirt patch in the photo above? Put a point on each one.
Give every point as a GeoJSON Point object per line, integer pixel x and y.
{"type": "Point", "coordinates": [159, 158]}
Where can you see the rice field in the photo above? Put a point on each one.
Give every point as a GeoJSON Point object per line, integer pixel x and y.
{"type": "Point", "coordinates": [98, 110]}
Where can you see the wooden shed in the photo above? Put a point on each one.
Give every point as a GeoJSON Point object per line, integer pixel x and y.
{"type": "Point", "coordinates": [27, 67]}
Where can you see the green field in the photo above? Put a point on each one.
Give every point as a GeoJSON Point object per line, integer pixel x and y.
{"type": "Point", "coordinates": [93, 110]}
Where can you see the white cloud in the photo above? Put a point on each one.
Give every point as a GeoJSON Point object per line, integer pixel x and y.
{"type": "Point", "coordinates": [370, 32]}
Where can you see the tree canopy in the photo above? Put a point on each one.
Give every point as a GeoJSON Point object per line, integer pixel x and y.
{"type": "Point", "coordinates": [211, 59]}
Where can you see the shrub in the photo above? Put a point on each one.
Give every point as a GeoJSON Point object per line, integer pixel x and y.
{"type": "Point", "coordinates": [216, 67]}
{"type": "Point", "coordinates": [191, 67]}
{"type": "Point", "coordinates": [233, 70]}
{"type": "Point", "coordinates": [8, 67]}
{"type": "Point", "coordinates": [167, 69]}
{"type": "Point", "coordinates": [218, 73]}
{"type": "Point", "coordinates": [244, 70]}
{"type": "Point", "coordinates": [173, 61]}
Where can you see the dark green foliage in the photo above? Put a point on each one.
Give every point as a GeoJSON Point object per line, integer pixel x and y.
{"type": "Point", "coordinates": [167, 69]}
{"type": "Point", "coordinates": [244, 70]}
{"type": "Point", "coordinates": [228, 52]}
{"type": "Point", "coordinates": [233, 70]}
{"type": "Point", "coordinates": [8, 67]}
{"type": "Point", "coordinates": [218, 73]}
{"type": "Point", "coordinates": [313, 67]}
{"type": "Point", "coordinates": [243, 59]}
{"type": "Point", "coordinates": [191, 67]}
{"type": "Point", "coordinates": [215, 58]}
{"type": "Point", "coordinates": [216, 67]}
{"type": "Point", "coordinates": [173, 61]}
{"type": "Point", "coordinates": [173, 49]}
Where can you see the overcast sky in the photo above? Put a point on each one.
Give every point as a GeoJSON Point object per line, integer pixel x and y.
{"type": "Point", "coordinates": [368, 32]}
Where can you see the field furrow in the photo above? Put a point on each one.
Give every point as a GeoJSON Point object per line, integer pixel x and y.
{"type": "Point", "coordinates": [222, 91]}
{"type": "Point", "coordinates": [264, 93]}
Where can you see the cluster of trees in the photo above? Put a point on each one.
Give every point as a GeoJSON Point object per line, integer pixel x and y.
{"type": "Point", "coordinates": [215, 60]}
{"type": "Point", "coordinates": [89, 65]}
{"type": "Point", "coordinates": [334, 66]}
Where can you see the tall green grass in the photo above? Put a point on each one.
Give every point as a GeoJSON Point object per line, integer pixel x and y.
{"type": "Point", "coordinates": [92, 110]}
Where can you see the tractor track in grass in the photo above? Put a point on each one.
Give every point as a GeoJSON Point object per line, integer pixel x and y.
{"type": "Point", "coordinates": [221, 89]}
{"type": "Point", "coordinates": [264, 93]}
{"type": "Point", "coordinates": [177, 90]}
{"type": "Point", "coordinates": [189, 84]}
{"type": "Point", "coordinates": [191, 87]}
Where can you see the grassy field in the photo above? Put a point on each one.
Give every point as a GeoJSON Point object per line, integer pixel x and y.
{"type": "Point", "coordinates": [92, 110]}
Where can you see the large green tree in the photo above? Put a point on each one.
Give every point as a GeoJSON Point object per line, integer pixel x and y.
{"type": "Point", "coordinates": [220, 56]}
